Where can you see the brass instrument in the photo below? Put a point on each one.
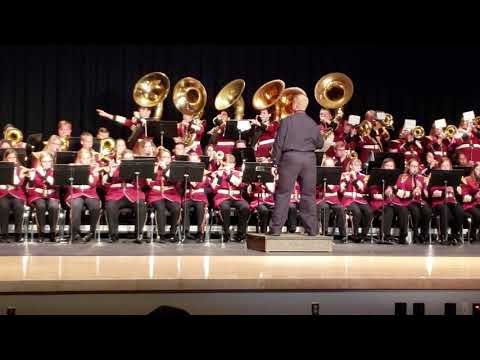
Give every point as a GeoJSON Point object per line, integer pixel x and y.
{"type": "Point", "coordinates": [352, 154]}
{"type": "Point", "coordinates": [107, 146]}
{"type": "Point", "coordinates": [364, 128]}
{"type": "Point", "coordinates": [418, 132]}
{"type": "Point", "coordinates": [151, 90]}
{"type": "Point", "coordinates": [450, 131]}
{"type": "Point", "coordinates": [65, 140]}
{"type": "Point", "coordinates": [283, 107]}
{"type": "Point", "coordinates": [190, 98]}
{"type": "Point", "coordinates": [388, 121]}
{"type": "Point", "coordinates": [268, 95]}
{"type": "Point", "coordinates": [13, 135]}
{"type": "Point", "coordinates": [476, 122]}
{"type": "Point", "coordinates": [231, 96]}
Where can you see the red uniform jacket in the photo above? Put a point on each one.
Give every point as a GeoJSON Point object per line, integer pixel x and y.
{"type": "Point", "coordinates": [197, 191]}
{"type": "Point", "coordinates": [262, 193]}
{"type": "Point", "coordinates": [331, 195]}
{"type": "Point", "coordinates": [439, 199]}
{"type": "Point", "coordinates": [117, 189]}
{"type": "Point", "coordinates": [470, 147]}
{"type": "Point", "coordinates": [412, 150]}
{"type": "Point", "coordinates": [89, 191]}
{"type": "Point", "coordinates": [366, 145]}
{"type": "Point", "coordinates": [439, 150]}
{"type": "Point", "coordinates": [376, 197]}
{"type": "Point", "coordinates": [227, 186]}
{"type": "Point", "coordinates": [199, 130]}
{"type": "Point", "coordinates": [42, 186]}
{"type": "Point", "coordinates": [404, 190]}
{"type": "Point", "coordinates": [15, 190]}
{"type": "Point", "coordinates": [354, 190]}
{"type": "Point", "coordinates": [161, 188]}
{"type": "Point", "coordinates": [266, 140]}
{"type": "Point", "coordinates": [470, 189]}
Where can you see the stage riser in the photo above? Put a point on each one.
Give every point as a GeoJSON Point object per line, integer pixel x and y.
{"type": "Point", "coordinates": [245, 303]}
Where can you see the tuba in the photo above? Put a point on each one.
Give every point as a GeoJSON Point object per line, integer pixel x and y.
{"type": "Point", "coordinates": [231, 96]}
{"type": "Point", "coordinates": [151, 90]}
{"type": "Point", "coordinates": [284, 105]}
{"type": "Point", "coordinates": [450, 131]}
{"type": "Point", "coordinates": [13, 135]}
{"type": "Point", "coordinates": [190, 98]}
{"type": "Point", "coordinates": [268, 95]}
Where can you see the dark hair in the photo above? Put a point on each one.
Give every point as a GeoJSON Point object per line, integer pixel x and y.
{"type": "Point", "coordinates": [102, 130]}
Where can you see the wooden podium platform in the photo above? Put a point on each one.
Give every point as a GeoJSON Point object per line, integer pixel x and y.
{"type": "Point", "coordinates": [289, 242]}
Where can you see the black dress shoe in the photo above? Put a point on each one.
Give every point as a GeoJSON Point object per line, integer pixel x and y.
{"type": "Point", "coordinates": [18, 238]}
{"type": "Point", "coordinates": [41, 238]}
{"type": "Point", "coordinates": [173, 238]}
{"type": "Point", "coordinates": [240, 237]}
{"type": "Point", "coordinates": [53, 238]}
{"type": "Point", "coordinates": [113, 239]}
{"type": "Point", "coordinates": [200, 238]}
{"type": "Point", "coordinates": [139, 240]}
{"type": "Point", "coordinates": [76, 238]}
{"type": "Point", "coordinates": [225, 238]}
{"type": "Point", "coordinates": [273, 233]}
{"type": "Point", "coordinates": [87, 238]}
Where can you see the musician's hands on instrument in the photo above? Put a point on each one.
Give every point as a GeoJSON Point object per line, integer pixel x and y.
{"type": "Point", "coordinates": [389, 192]}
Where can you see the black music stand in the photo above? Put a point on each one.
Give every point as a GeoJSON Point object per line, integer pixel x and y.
{"type": "Point", "coordinates": [319, 156]}
{"type": "Point", "coordinates": [35, 141]}
{"type": "Point", "coordinates": [157, 130]}
{"type": "Point", "coordinates": [446, 178]}
{"type": "Point", "coordinates": [74, 143]}
{"type": "Point", "coordinates": [134, 170]}
{"type": "Point", "coordinates": [258, 172]}
{"type": "Point", "coordinates": [7, 170]}
{"type": "Point", "coordinates": [21, 155]}
{"type": "Point", "coordinates": [186, 171]}
{"type": "Point", "coordinates": [232, 132]}
{"type": "Point", "coordinates": [144, 158]}
{"type": "Point", "coordinates": [398, 158]}
{"type": "Point", "coordinates": [243, 155]}
{"type": "Point", "coordinates": [467, 170]}
{"type": "Point", "coordinates": [383, 178]}
{"type": "Point", "coordinates": [328, 176]}
{"type": "Point", "coordinates": [65, 157]}
{"type": "Point", "coordinates": [69, 175]}
{"type": "Point", "coordinates": [181, 157]}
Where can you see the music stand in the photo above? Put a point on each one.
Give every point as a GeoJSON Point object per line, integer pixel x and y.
{"type": "Point", "coordinates": [328, 176]}
{"type": "Point", "coordinates": [232, 132]}
{"type": "Point", "coordinates": [319, 156]}
{"type": "Point", "coordinates": [35, 141]}
{"type": "Point", "coordinates": [467, 170]}
{"type": "Point", "coordinates": [7, 170]}
{"type": "Point", "coordinates": [383, 178]}
{"type": "Point", "coordinates": [65, 157]}
{"type": "Point", "coordinates": [258, 172]}
{"type": "Point", "coordinates": [21, 155]}
{"type": "Point", "coordinates": [398, 158]}
{"type": "Point", "coordinates": [136, 169]}
{"type": "Point", "coordinates": [186, 171]}
{"type": "Point", "coordinates": [157, 130]}
{"type": "Point", "coordinates": [69, 175]}
{"type": "Point", "coordinates": [181, 158]}
{"type": "Point", "coordinates": [244, 155]}
{"type": "Point", "coordinates": [446, 178]}
{"type": "Point", "coordinates": [74, 143]}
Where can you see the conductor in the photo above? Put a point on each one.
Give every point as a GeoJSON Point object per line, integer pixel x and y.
{"type": "Point", "coordinates": [293, 158]}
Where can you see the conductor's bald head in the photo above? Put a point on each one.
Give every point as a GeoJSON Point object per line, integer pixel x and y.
{"type": "Point", "coordinates": [300, 102]}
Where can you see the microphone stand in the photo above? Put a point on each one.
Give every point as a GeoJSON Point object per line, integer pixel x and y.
{"type": "Point", "coordinates": [325, 226]}
{"type": "Point", "coordinates": [445, 210]}
{"type": "Point", "coordinates": [382, 236]}
{"type": "Point", "coordinates": [138, 205]}
{"type": "Point", "coordinates": [185, 210]}
{"type": "Point", "coordinates": [70, 179]}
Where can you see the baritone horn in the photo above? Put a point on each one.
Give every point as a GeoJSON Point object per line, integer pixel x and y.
{"type": "Point", "coordinates": [231, 96]}
{"type": "Point", "coordinates": [151, 90]}
{"type": "Point", "coordinates": [13, 135]}
{"type": "Point", "coordinates": [450, 131]}
{"type": "Point", "coordinates": [418, 132]}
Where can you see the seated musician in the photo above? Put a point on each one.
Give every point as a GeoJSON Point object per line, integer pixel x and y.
{"type": "Point", "coordinates": [437, 142]}
{"type": "Point", "coordinates": [18, 145]}
{"type": "Point", "coordinates": [120, 195]}
{"type": "Point", "coordinates": [146, 147]}
{"type": "Point", "coordinates": [12, 197]}
{"type": "Point", "coordinates": [430, 163]}
{"type": "Point", "coordinates": [446, 206]}
{"type": "Point", "coordinates": [43, 195]}
{"type": "Point", "coordinates": [264, 134]}
{"type": "Point", "coordinates": [341, 157]}
{"type": "Point", "coordinates": [354, 191]}
{"type": "Point", "coordinates": [196, 199]}
{"type": "Point", "coordinates": [214, 160]}
{"type": "Point", "coordinates": [86, 140]}
{"type": "Point", "coordinates": [467, 143]}
{"type": "Point", "coordinates": [189, 128]}
{"type": "Point", "coordinates": [119, 150]}
{"type": "Point", "coordinates": [64, 129]}
{"type": "Point", "coordinates": [137, 119]}
{"type": "Point", "coordinates": [218, 138]}
{"type": "Point", "coordinates": [179, 150]}
{"type": "Point", "coordinates": [328, 202]}
{"type": "Point", "coordinates": [103, 133]}
{"type": "Point", "coordinates": [411, 147]}
{"type": "Point", "coordinates": [163, 195]}
{"type": "Point", "coordinates": [227, 184]}
{"type": "Point", "coordinates": [470, 187]}
{"type": "Point", "coordinates": [79, 196]}
{"type": "Point", "coordinates": [53, 145]}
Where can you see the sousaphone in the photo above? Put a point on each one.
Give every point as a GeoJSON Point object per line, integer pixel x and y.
{"type": "Point", "coordinates": [231, 96]}
{"type": "Point", "coordinates": [151, 90]}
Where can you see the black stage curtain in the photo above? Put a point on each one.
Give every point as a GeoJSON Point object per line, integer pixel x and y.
{"type": "Point", "coordinates": [41, 84]}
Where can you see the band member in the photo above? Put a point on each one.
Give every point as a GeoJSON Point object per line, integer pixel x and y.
{"type": "Point", "coordinates": [411, 147]}
{"type": "Point", "coordinates": [330, 202]}
{"type": "Point", "coordinates": [163, 195]}
{"type": "Point", "coordinates": [16, 145]}
{"type": "Point", "coordinates": [467, 144]}
{"type": "Point", "coordinates": [437, 143]}
{"type": "Point", "coordinates": [367, 144]}
{"type": "Point", "coordinates": [215, 158]}
{"type": "Point", "coordinates": [138, 119]}
{"type": "Point", "coordinates": [79, 196]}
{"type": "Point", "coordinates": [293, 153]}
{"type": "Point", "coordinates": [43, 196]}
{"type": "Point", "coordinates": [460, 159]}
{"type": "Point", "coordinates": [354, 190]}
{"type": "Point", "coordinates": [341, 157]}
{"type": "Point", "coordinates": [146, 147]}
{"type": "Point", "coordinates": [430, 164]}
{"type": "Point", "coordinates": [190, 132]}
{"type": "Point", "coordinates": [64, 129]}
{"type": "Point", "coordinates": [411, 191]}
{"type": "Point", "coordinates": [103, 133]}
{"type": "Point", "coordinates": [196, 199]}
{"type": "Point", "coordinates": [121, 194]}
{"type": "Point", "coordinates": [264, 134]}
{"type": "Point", "coordinates": [471, 199]}
{"type": "Point", "coordinates": [12, 197]}
{"type": "Point", "coordinates": [217, 134]}
{"type": "Point", "coordinates": [120, 149]}
{"type": "Point", "coordinates": [445, 205]}
{"type": "Point", "coordinates": [179, 150]}
{"type": "Point", "coordinates": [226, 184]}
{"type": "Point", "coordinates": [86, 140]}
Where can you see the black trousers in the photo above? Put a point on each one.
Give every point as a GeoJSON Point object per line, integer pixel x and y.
{"type": "Point", "coordinates": [451, 215]}
{"type": "Point", "coordinates": [324, 210]}
{"type": "Point", "coordinates": [475, 213]}
{"type": "Point", "coordinates": [76, 208]}
{"type": "Point", "coordinates": [243, 212]}
{"type": "Point", "coordinates": [421, 216]}
{"type": "Point", "coordinates": [362, 215]}
{"type": "Point", "coordinates": [199, 211]}
{"type": "Point", "coordinates": [401, 214]}
{"type": "Point", "coordinates": [113, 208]}
{"type": "Point", "coordinates": [53, 207]}
{"type": "Point", "coordinates": [17, 207]}
{"type": "Point", "coordinates": [265, 212]}
{"type": "Point", "coordinates": [161, 208]}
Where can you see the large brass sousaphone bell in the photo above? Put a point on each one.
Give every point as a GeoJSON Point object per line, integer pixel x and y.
{"type": "Point", "coordinates": [284, 105]}
{"type": "Point", "coordinates": [268, 94]}
{"type": "Point", "coordinates": [333, 90]}
{"type": "Point", "coordinates": [189, 96]}
{"type": "Point", "coordinates": [231, 95]}
{"type": "Point", "coordinates": [151, 90]}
